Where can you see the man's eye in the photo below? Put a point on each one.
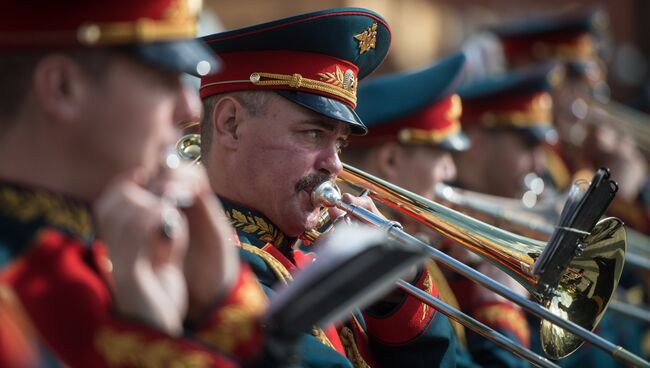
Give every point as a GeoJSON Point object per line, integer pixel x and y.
{"type": "Point", "coordinates": [313, 134]}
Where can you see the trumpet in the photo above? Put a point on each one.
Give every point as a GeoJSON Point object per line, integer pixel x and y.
{"type": "Point", "coordinates": [575, 304]}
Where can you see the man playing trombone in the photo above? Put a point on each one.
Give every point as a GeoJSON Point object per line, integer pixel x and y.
{"type": "Point", "coordinates": [276, 118]}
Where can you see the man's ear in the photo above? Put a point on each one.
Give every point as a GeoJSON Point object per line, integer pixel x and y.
{"type": "Point", "coordinates": [61, 86]}
{"type": "Point", "coordinates": [227, 116]}
{"type": "Point", "coordinates": [386, 160]}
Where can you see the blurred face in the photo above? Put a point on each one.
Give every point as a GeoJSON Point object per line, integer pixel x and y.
{"type": "Point", "coordinates": [570, 107]}
{"type": "Point", "coordinates": [131, 113]}
{"type": "Point", "coordinates": [285, 151]}
{"type": "Point", "coordinates": [508, 157]}
{"type": "Point", "coordinates": [419, 168]}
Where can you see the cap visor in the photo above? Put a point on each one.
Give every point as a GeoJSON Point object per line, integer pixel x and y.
{"type": "Point", "coordinates": [328, 107]}
{"type": "Point", "coordinates": [457, 142]}
{"type": "Point", "coordinates": [188, 56]}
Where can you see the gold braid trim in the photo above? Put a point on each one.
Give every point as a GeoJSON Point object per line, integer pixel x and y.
{"type": "Point", "coordinates": [319, 334]}
{"type": "Point", "coordinates": [538, 112]}
{"type": "Point", "coordinates": [142, 30]}
{"type": "Point", "coordinates": [298, 81]}
{"type": "Point", "coordinates": [276, 266]}
{"type": "Point", "coordinates": [237, 320]}
{"type": "Point", "coordinates": [128, 349]}
{"type": "Point", "coordinates": [447, 296]}
{"type": "Point", "coordinates": [179, 21]}
{"type": "Point", "coordinates": [351, 350]}
{"type": "Point", "coordinates": [283, 275]}
{"type": "Point", "coordinates": [421, 136]}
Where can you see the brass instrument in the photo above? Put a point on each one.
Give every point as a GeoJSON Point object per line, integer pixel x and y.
{"type": "Point", "coordinates": [624, 119]}
{"type": "Point", "coordinates": [576, 304]}
{"type": "Point", "coordinates": [189, 147]}
{"type": "Point", "coordinates": [538, 220]}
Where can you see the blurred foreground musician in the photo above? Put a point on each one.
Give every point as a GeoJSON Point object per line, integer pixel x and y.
{"type": "Point", "coordinates": [414, 128]}
{"type": "Point", "coordinates": [276, 117]}
{"type": "Point", "coordinates": [90, 95]}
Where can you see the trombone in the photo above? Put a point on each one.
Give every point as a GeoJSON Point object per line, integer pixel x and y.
{"type": "Point", "coordinates": [576, 304]}
{"type": "Point", "coordinates": [538, 221]}
{"type": "Point", "coordinates": [624, 119]}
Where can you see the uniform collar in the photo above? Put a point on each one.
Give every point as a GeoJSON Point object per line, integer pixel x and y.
{"type": "Point", "coordinates": [254, 228]}
{"type": "Point", "coordinates": [25, 210]}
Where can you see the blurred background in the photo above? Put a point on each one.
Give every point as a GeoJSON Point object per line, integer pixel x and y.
{"type": "Point", "coordinates": [425, 30]}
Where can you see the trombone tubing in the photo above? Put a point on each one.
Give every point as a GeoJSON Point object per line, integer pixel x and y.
{"type": "Point", "coordinates": [639, 245]}
{"type": "Point", "coordinates": [475, 325]}
{"type": "Point", "coordinates": [394, 231]}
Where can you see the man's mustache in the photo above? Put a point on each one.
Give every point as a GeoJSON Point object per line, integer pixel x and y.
{"type": "Point", "coordinates": [311, 181]}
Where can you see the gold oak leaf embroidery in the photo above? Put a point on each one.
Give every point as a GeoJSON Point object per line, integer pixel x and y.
{"type": "Point", "coordinates": [256, 225]}
{"type": "Point", "coordinates": [338, 78]}
{"type": "Point", "coordinates": [335, 78]}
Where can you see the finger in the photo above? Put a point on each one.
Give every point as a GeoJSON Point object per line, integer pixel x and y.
{"type": "Point", "coordinates": [169, 241]}
{"type": "Point", "coordinates": [363, 202]}
{"type": "Point", "coordinates": [335, 213]}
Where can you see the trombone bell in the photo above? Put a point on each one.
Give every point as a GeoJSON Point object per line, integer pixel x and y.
{"type": "Point", "coordinates": [587, 287]}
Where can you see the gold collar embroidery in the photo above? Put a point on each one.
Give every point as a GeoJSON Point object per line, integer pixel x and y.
{"type": "Point", "coordinates": [29, 205]}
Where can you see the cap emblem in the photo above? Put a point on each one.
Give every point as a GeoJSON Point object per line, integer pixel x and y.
{"type": "Point", "coordinates": [367, 39]}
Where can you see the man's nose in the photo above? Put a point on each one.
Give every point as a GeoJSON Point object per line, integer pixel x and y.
{"type": "Point", "coordinates": [329, 161]}
{"type": "Point", "coordinates": [188, 106]}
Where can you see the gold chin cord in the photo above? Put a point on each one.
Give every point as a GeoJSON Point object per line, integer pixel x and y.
{"type": "Point", "coordinates": [569, 312]}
